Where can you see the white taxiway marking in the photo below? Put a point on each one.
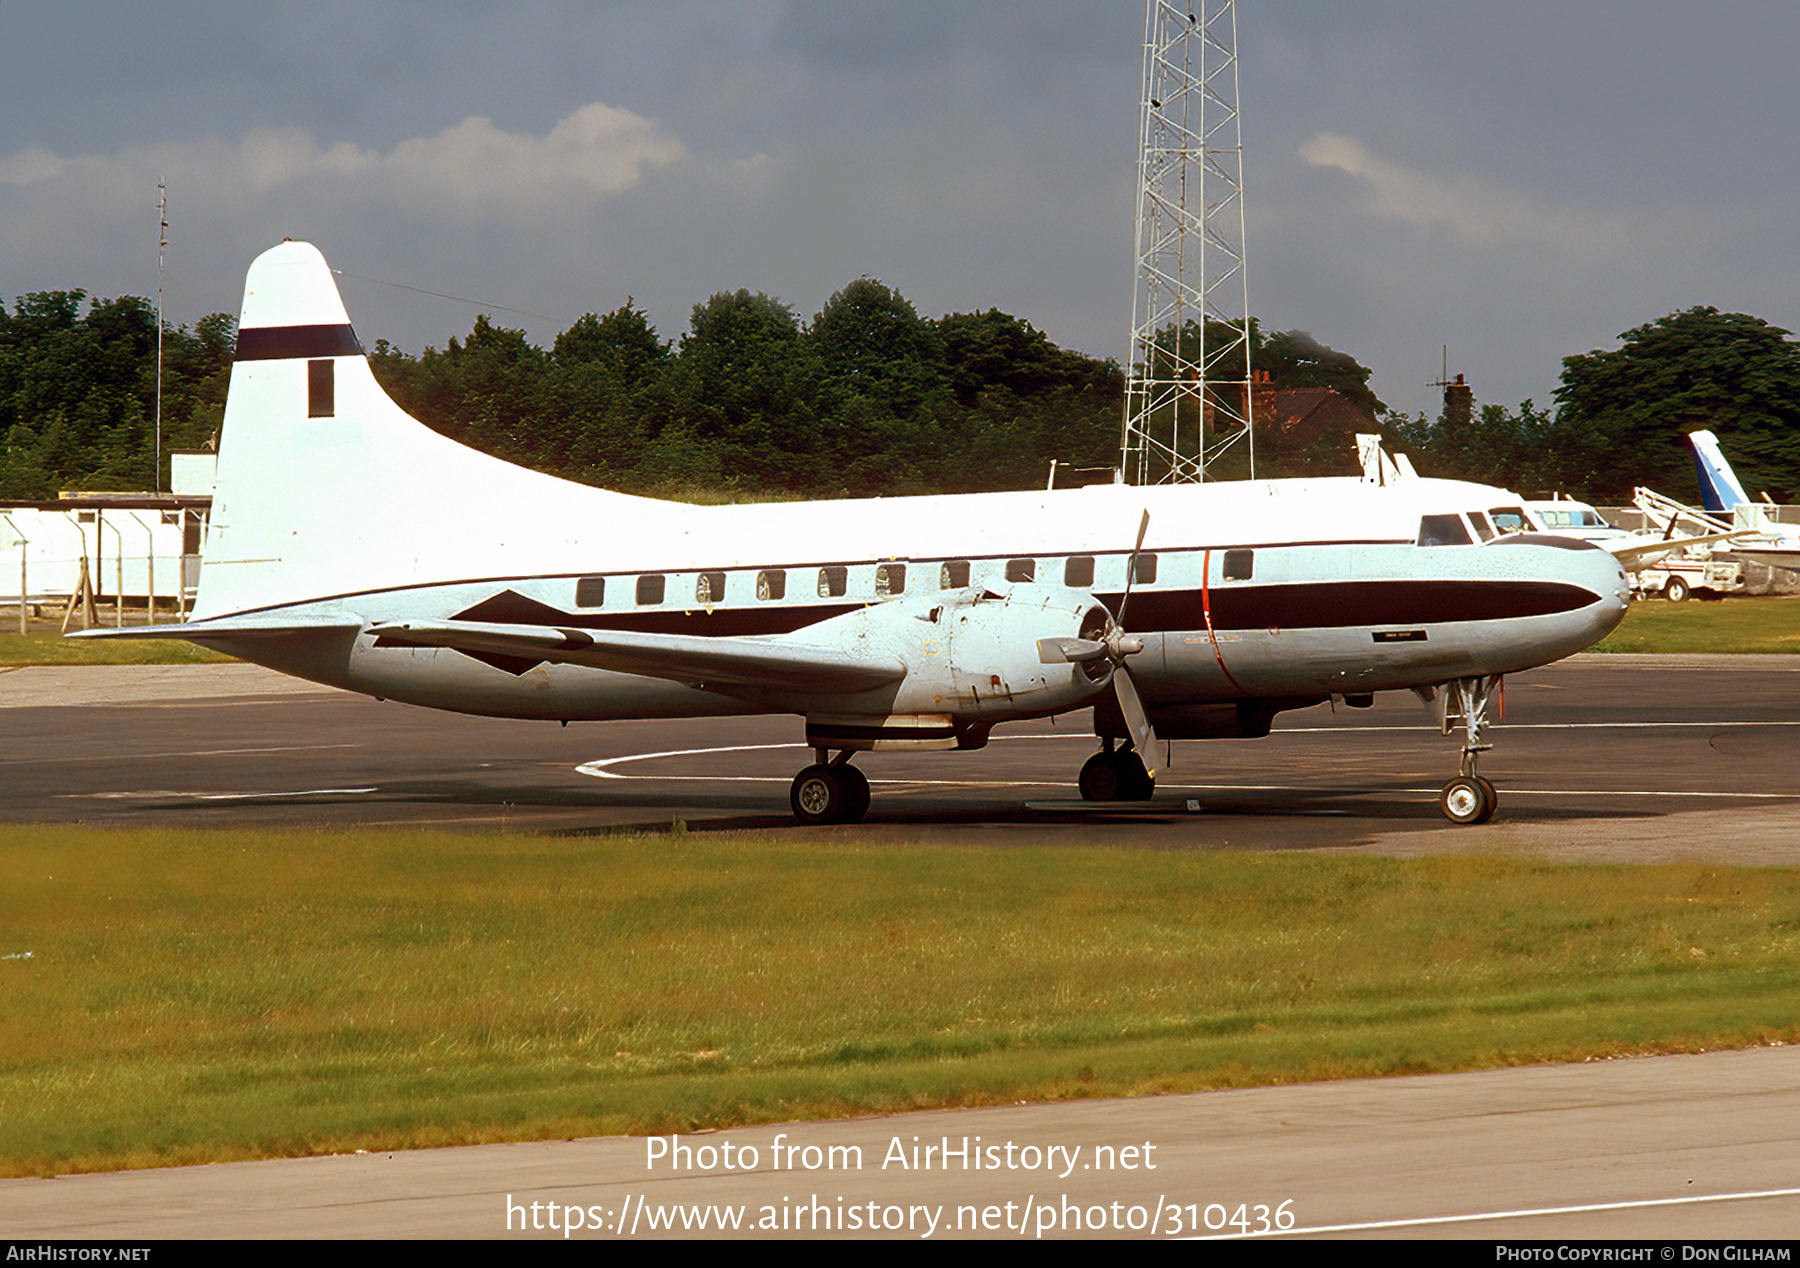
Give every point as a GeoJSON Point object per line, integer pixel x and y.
{"type": "Point", "coordinates": [199, 752]}
{"type": "Point", "coordinates": [161, 794]}
{"type": "Point", "coordinates": [600, 768]}
{"type": "Point", "coordinates": [1377, 1225]}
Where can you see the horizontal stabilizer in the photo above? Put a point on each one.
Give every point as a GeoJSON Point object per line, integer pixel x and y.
{"type": "Point", "coordinates": [710, 662]}
{"type": "Point", "coordinates": [236, 627]}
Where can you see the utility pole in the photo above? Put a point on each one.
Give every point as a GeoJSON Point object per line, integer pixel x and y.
{"type": "Point", "coordinates": [1188, 393]}
{"type": "Point", "coordinates": [162, 246]}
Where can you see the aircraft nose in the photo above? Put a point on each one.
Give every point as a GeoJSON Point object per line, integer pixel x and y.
{"type": "Point", "coordinates": [1591, 568]}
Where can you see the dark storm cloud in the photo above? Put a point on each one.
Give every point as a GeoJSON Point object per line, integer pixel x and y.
{"type": "Point", "coordinates": [1519, 181]}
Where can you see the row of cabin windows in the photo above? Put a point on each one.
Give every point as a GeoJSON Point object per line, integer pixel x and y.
{"type": "Point", "coordinates": [890, 579]}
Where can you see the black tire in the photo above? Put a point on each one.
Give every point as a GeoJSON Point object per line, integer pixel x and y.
{"type": "Point", "coordinates": [1135, 783]}
{"type": "Point", "coordinates": [1493, 799]}
{"type": "Point", "coordinates": [856, 793]}
{"type": "Point", "coordinates": [1099, 779]}
{"type": "Point", "coordinates": [1466, 800]}
{"type": "Point", "coordinates": [1677, 590]}
{"type": "Point", "coordinates": [817, 796]}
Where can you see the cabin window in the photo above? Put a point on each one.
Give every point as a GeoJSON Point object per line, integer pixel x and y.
{"type": "Point", "coordinates": [834, 580]}
{"type": "Point", "coordinates": [1078, 570]}
{"type": "Point", "coordinates": [771, 583]}
{"type": "Point", "coordinates": [1239, 565]}
{"type": "Point", "coordinates": [321, 389]}
{"type": "Point", "coordinates": [1443, 530]}
{"type": "Point", "coordinates": [1021, 569]}
{"type": "Point", "coordinates": [1145, 572]}
{"type": "Point", "coordinates": [890, 579]}
{"type": "Point", "coordinates": [650, 588]}
{"type": "Point", "coordinates": [954, 575]}
{"type": "Point", "coordinates": [590, 592]}
{"type": "Point", "coordinates": [709, 587]}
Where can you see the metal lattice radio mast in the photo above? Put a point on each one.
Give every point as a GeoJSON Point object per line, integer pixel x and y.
{"type": "Point", "coordinates": [1187, 397]}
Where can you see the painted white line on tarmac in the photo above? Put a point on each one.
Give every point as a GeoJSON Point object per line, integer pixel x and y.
{"type": "Point", "coordinates": [601, 768]}
{"type": "Point", "coordinates": [145, 757]}
{"type": "Point", "coordinates": [165, 794]}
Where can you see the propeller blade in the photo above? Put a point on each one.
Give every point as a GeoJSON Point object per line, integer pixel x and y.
{"type": "Point", "coordinates": [1143, 735]}
{"type": "Point", "coordinates": [1131, 568]}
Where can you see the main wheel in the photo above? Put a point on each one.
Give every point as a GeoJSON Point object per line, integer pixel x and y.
{"type": "Point", "coordinates": [1099, 779]}
{"type": "Point", "coordinates": [1135, 782]}
{"type": "Point", "coordinates": [818, 795]}
{"type": "Point", "coordinates": [1468, 800]}
{"type": "Point", "coordinates": [856, 793]}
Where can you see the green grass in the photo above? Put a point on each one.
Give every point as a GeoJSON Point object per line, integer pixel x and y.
{"type": "Point", "coordinates": [193, 997]}
{"type": "Point", "coordinates": [48, 647]}
{"type": "Point", "coordinates": [1770, 623]}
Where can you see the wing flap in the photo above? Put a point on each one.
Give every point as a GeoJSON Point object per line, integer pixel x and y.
{"type": "Point", "coordinates": [772, 664]}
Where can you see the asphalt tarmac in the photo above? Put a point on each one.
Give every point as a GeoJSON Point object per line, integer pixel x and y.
{"type": "Point", "coordinates": [1603, 758]}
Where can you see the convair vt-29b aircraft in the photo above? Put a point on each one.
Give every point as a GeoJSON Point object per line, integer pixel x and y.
{"type": "Point", "coordinates": [351, 545]}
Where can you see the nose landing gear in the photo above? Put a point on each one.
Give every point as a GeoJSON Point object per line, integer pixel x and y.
{"type": "Point", "coordinates": [1469, 798]}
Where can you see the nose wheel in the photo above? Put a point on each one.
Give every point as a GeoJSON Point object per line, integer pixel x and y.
{"type": "Point", "coordinates": [1469, 798]}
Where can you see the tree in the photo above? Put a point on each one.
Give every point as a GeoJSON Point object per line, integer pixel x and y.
{"type": "Point", "coordinates": [624, 341]}
{"type": "Point", "coordinates": [1293, 358]}
{"type": "Point", "coordinates": [1625, 413]}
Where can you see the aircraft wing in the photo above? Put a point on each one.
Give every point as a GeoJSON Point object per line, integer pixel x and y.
{"type": "Point", "coordinates": [234, 628]}
{"type": "Point", "coordinates": [1642, 550]}
{"type": "Point", "coordinates": [770, 664]}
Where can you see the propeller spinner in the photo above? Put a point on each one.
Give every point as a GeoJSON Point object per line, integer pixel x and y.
{"type": "Point", "coordinates": [1110, 647]}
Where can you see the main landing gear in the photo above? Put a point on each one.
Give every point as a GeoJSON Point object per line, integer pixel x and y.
{"type": "Point", "coordinates": [1116, 775]}
{"type": "Point", "coordinates": [830, 791]}
{"type": "Point", "coordinates": [1469, 798]}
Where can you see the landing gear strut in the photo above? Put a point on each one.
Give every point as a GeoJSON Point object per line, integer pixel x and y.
{"type": "Point", "coordinates": [1116, 775]}
{"type": "Point", "coordinates": [1469, 798]}
{"type": "Point", "coordinates": [830, 792]}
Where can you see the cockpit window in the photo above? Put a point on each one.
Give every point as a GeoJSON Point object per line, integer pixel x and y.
{"type": "Point", "coordinates": [1483, 529]}
{"type": "Point", "coordinates": [1444, 530]}
{"type": "Point", "coordinates": [1509, 519]}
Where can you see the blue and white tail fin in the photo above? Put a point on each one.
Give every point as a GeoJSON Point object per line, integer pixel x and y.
{"type": "Point", "coordinates": [1720, 491]}
{"type": "Point", "coordinates": [327, 489]}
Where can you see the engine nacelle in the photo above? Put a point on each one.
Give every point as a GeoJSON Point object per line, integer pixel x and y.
{"type": "Point", "coordinates": [972, 660]}
{"type": "Point", "coordinates": [985, 663]}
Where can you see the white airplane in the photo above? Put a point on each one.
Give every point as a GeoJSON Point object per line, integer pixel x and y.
{"type": "Point", "coordinates": [1634, 551]}
{"type": "Point", "coordinates": [1756, 537]}
{"type": "Point", "coordinates": [351, 545]}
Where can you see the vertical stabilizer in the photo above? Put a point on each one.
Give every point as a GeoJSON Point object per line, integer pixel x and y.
{"type": "Point", "coordinates": [1720, 491]}
{"type": "Point", "coordinates": [327, 489]}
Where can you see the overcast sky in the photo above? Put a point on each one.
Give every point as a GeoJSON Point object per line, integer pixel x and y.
{"type": "Point", "coordinates": [1520, 181]}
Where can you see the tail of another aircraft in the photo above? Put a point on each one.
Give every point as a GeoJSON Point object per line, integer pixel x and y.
{"type": "Point", "coordinates": [327, 488]}
{"type": "Point", "coordinates": [1720, 491]}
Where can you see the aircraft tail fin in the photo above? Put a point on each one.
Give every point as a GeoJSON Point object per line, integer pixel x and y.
{"type": "Point", "coordinates": [1720, 491]}
{"type": "Point", "coordinates": [326, 488]}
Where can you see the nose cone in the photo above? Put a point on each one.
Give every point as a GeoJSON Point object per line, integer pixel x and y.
{"type": "Point", "coordinates": [1585, 569]}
